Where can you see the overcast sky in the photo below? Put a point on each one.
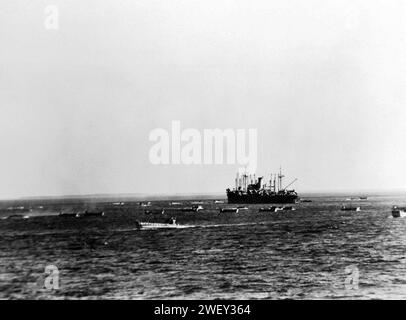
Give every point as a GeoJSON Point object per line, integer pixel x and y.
{"type": "Point", "coordinates": [323, 82]}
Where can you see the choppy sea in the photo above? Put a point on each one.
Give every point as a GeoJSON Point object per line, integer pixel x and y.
{"type": "Point", "coordinates": [314, 252]}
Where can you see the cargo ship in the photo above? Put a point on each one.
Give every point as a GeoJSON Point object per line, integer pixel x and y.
{"type": "Point", "coordinates": [250, 189]}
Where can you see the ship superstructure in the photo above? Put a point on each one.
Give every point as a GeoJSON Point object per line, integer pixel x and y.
{"type": "Point", "coordinates": [251, 189]}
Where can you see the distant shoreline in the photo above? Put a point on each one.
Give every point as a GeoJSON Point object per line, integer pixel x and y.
{"type": "Point", "coordinates": [190, 196]}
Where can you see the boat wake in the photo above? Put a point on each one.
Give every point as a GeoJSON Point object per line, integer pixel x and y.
{"type": "Point", "coordinates": [188, 226]}
{"type": "Point", "coordinates": [231, 225]}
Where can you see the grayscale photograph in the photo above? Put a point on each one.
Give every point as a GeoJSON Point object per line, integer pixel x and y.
{"type": "Point", "coordinates": [174, 150]}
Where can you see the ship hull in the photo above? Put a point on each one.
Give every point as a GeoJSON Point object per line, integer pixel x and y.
{"type": "Point", "coordinates": [238, 198]}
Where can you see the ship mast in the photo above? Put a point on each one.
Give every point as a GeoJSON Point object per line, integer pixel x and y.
{"type": "Point", "coordinates": [273, 182]}
{"type": "Point", "coordinates": [245, 179]}
{"type": "Point", "coordinates": [280, 177]}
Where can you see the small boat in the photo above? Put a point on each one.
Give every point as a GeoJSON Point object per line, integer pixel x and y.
{"type": "Point", "coordinates": [170, 223]}
{"type": "Point", "coordinates": [17, 216]}
{"type": "Point", "coordinates": [175, 203]}
{"type": "Point", "coordinates": [398, 212]}
{"type": "Point", "coordinates": [242, 208]}
{"type": "Point", "coordinates": [118, 203]}
{"type": "Point", "coordinates": [345, 208]}
{"type": "Point", "coordinates": [17, 210]}
{"type": "Point", "coordinates": [68, 214]}
{"type": "Point", "coordinates": [197, 202]}
{"type": "Point", "coordinates": [269, 209]}
{"type": "Point", "coordinates": [192, 209]}
{"type": "Point", "coordinates": [229, 210]}
{"type": "Point", "coordinates": [145, 204]}
{"type": "Point", "coordinates": [91, 214]}
{"type": "Point", "coordinates": [218, 201]}
{"type": "Point", "coordinates": [155, 211]}
{"type": "Point", "coordinates": [357, 198]}
{"type": "Point", "coordinates": [352, 199]}
{"type": "Point", "coordinates": [276, 209]}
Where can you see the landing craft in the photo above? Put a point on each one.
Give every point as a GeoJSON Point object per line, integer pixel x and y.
{"type": "Point", "coordinates": [168, 224]}
{"type": "Point", "coordinates": [229, 210]}
{"type": "Point", "coordinates": [158, 211]}
{"type": "Point", "coordinates": [350, 208]}
{"type": "Point", "coordinates": [276, 209]}
{"type": "Point", "coordinates": [87, 213]}
{"type": "Point", "coordinates": [270, 209]}
{"type": "Point", "coordinates": [398, 212]}
{"type": "Point", "coordinates": [68, 214]}
{"type": "Point", "coordinates": [16, 216]}
{"type": "Point", "coordinates": [20, 209]}
{"type": "Point", "coordinates": [192, 209]}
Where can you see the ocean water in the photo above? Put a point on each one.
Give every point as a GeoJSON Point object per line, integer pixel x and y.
{"type": "Point", "coordinates": [314, 252]}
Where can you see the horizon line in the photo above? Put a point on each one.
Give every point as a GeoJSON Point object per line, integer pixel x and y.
{"type": "Point", "coordinates": [191, 194]}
